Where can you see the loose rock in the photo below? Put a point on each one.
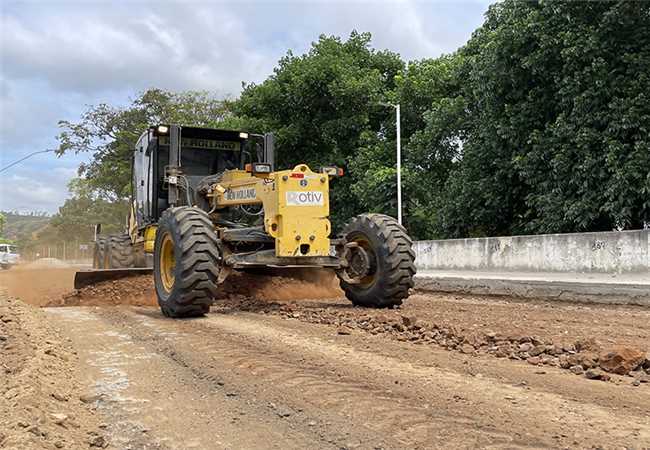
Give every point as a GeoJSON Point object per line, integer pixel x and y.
{"type": "Point", "coordinates": [621, 360]}
{"type": "Point", "coordinates": [578, 370]}
{"type": "Point", "coordinates": [587, 345]}
{"type": "Point", "coordinates": [596, 374]}
{"type": "Point", "coordinates": [409, 321]}
{"type": "Point", "coordinates": [467, 349]}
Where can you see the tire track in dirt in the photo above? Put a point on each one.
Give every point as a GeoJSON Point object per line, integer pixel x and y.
{"type": "Point", "coordinates": [150, 401]}
{"type": "Point", "coordinates": [414, 406]}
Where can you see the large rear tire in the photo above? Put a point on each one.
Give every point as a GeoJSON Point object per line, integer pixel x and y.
{"type": "Point", "coordinates": [381, 261]}
{"type": "Point", "coordinates": [187, 262]}
{"type": "Point", "coordinates": [98, 253]}
{"type": "Point", "coordinates": [120, 253]}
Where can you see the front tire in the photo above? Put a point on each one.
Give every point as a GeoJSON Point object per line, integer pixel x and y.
{"type": "Point", "coordinates": [187, 261]}
{"type": "Point", "coordinates": [381, 262]}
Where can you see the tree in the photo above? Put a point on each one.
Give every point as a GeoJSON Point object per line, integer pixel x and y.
{"type": "Point", "coordinates": [77, 217]}
{"type": "Point", "coordinates": [324, 106]}
{"type": "Point", "coordinates": [538, 124]}
{"type": "Point", "coordinates": [552, 115]}
{"type": "Point", "coordinates": [2, 224]}
{"type": "Point", "coordinates": [110, 133]}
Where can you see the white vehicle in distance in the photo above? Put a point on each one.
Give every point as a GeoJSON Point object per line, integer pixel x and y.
{"type": "Point", "coordinates": [8, 256]}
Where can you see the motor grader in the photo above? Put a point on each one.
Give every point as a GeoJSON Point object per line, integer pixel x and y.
{"type": "Point", "coordinates": [207, 202]}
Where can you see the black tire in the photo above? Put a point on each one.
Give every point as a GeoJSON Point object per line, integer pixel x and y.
{"type": "Point", "coordinates": [140, 256]}
{"type": "Point", "coordinates": [192, 279]}
{"type": "Point", "coordinates": [392, 260]}
{"type": "Point", "coordinates": [98, 253]}
{"type": "Point", "coordinates": [119, 252]}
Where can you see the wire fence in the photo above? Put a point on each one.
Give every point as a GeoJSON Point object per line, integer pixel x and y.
{"type": "Point", "coordinates": [73, 251]}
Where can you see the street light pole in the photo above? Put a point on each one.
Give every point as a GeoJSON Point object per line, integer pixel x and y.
{"type": "Point", "coordinates": [399, 164]}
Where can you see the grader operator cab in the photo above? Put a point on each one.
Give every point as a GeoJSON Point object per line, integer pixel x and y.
{"type": "Point", "coordinates": [207, 202]}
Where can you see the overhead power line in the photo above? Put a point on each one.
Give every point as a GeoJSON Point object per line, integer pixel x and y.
{"type": "Point", "coordinates": [25, 157]}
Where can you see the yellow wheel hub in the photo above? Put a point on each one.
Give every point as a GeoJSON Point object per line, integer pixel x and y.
{"type": "Point", "coordinates": [167, 262]}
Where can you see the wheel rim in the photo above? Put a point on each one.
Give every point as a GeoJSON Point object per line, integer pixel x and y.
{"type": "Point", "coordinates": [366, 276]}
{"type": "Point", "coordinates": [167, 262]}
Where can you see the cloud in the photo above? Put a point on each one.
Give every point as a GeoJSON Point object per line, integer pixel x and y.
{"type": "Point", "coordinates": [197, 47]}
{"type": "Point", "coordinates": [34, 192]}
{"type": "Point", "coordinates": [57, 57]}
{"type": "Point", "coordinates": [104, 47]}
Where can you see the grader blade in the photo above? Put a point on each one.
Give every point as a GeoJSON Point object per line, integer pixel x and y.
{"type": "Point", "coordinates": [85, 278]}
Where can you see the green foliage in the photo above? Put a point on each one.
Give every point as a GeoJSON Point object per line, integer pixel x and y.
{"type": "Point", "coordinates": [554, 121]}
{"type": "Point", "coordinates": [77, 217]}
{"type": "Point", "coordinates": [321, 105]}
{"type": "Point", "coordinates": [110, 133]}
{"type": "Point", "coordinates": [21, 226]}
{"type": "Point", "coordinates": [3, 220]}
{"type": "Point", "coordinates": [538, 124]}
{"type": "Point", "coordinates": [333, 106]}
{"type": "Point", "coordinates": [433, 127]}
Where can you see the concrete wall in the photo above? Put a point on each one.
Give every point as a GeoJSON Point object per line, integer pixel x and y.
{"type": "Point", "coordinates": [617, 252]}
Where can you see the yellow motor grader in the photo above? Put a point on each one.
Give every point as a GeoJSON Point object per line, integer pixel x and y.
{"type": "Point", "coordinates": [208, 201]}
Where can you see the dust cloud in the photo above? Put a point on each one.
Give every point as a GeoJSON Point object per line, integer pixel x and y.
{"type": "Point", "coordinates": [53, 286]}
{"type": "Point", "coordinates": [37, 284]}
{"type": "Point", "coordinates": [284, 284]}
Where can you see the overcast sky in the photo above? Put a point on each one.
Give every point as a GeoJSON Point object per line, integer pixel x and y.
{"type": "Point", "coordinates": [58, 57]}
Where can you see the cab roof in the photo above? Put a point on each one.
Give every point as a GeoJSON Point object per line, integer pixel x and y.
{"type": "Point", "coordinates": [202, 133]}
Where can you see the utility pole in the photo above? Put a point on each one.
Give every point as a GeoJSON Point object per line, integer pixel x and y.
{"type": "Point", "coordinates": [399, 164]}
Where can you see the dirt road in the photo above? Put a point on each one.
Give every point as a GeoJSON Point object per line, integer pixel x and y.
{"type": "Point", "coordinates": [39, 285]}
{"type": "Point", "coordinates": [320, 374]}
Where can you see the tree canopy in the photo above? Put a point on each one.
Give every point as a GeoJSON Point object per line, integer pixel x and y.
{"type": "Point", "coordinates": [109, 133]}
{"type": "Point", "coordinates": [325, 108]}
{"type": "Point", "coordinates": [555, 121]}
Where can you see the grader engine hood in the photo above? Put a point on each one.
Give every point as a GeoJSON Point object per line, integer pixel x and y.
{"type": "Point", "coordinates": [296, 207]}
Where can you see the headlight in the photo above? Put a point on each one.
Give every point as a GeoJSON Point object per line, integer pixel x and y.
{"type": "Point", "coordinates": [258, 168]}
{"type": "Point", "coordinates": [332, 171]}
{"type": "Point", "coordinates": [162, 129]}
{"type": "Point", "coordinates": [243, 135]}
{"type": "Point", "coordinates": [261, 168]}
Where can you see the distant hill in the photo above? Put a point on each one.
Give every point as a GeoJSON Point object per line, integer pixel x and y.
{"type": "Point", "coordinates": [24, 226]}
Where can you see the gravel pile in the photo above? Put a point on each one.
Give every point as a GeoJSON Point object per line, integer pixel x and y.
{"type": "Point", "coordinates": [585, 357]}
